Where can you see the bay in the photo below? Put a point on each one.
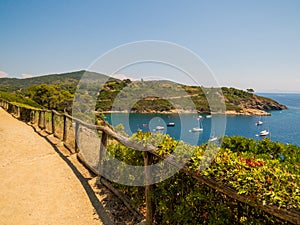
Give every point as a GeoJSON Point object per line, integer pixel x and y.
{"type": "Point", "coordinates": [284, 126]}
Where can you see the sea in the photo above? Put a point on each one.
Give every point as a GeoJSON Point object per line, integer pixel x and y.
{"type": "Point", "coordinates": [283, 125]}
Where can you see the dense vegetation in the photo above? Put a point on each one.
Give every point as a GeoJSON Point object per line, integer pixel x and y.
{"type": "Point", "coordinates": [264, 171]}
{"type": "Point", "coordinates": [175, 96]}
{"type": "Point", "coordinates": [18, 98]}
{"type": "Point", "coordinates": [51, 97]}
{"type": "Point", "coordinates": [57, 91]}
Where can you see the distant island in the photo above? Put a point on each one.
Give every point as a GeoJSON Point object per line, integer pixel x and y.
{"type": "Point", "coordinates": [56, 91]}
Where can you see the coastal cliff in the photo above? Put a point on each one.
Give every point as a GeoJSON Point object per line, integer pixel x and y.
{"type": "Point", "coordinates": [239, 102]}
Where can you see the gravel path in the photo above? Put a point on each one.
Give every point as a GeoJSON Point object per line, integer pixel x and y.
{"type": "Point", "coordinates": [37, 186]}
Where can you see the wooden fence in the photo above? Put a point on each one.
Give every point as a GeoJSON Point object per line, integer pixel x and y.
{"type": "Point", "coordinates": [39, 117]}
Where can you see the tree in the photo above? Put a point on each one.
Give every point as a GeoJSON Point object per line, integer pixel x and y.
{"type": "Point", "coordinates": [250, 90]}
{"type": "Point", "coordinates": [51, 97]}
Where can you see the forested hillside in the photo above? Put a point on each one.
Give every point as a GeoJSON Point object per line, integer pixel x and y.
{"type": "Point", "coordinates": [56, 91]}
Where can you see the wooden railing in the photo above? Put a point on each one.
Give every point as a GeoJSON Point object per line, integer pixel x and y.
{"type": "Point", "coordinates": [39, 117]}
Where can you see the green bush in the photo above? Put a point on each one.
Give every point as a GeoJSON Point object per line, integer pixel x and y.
{"type": "Point", "coordinates": [253, 168]}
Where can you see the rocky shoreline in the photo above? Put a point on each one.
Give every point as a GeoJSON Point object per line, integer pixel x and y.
{"type": "Point", "coordinates": [243, 112]}
{"type": "Point", "coordinates": [248, 112]}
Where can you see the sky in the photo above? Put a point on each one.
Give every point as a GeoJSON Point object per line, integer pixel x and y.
{"type": "Point", "coordinates": [247, 44]}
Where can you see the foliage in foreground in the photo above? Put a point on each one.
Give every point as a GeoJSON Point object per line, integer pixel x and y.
{"type": "Point", "coordinates": [264, 171]}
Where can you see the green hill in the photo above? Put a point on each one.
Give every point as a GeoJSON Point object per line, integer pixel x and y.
{"type": "Point", "coordinates": [57, 91]}
{"type": "Point", "coordinates": [64, 80]}
{"type": "Point", "coordinates": [167, 96]}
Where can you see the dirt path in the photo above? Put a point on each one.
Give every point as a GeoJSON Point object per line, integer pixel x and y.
{"type": "Point", "coordinates": [36, 185]}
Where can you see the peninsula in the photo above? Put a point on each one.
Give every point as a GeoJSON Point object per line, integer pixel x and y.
{"type": "Point", "coordinates": [56, 91]}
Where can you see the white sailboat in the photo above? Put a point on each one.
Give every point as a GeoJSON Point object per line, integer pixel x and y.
{"type": "Point", "coordinates": [171, 124]}
{"type": "Point", "coordinates": [199, 128]}
{"type": "Point", "coordinates": [160, 128]}
{"type": "Point", "coordinates": [213, 138]}
{"type": "Point", "coordinates": [264, 133]}
{"type": "Point", "coordinates": [259, 122]}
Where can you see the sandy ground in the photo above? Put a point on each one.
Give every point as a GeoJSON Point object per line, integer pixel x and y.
{"type": "Point", "coordinates": [36, 184]}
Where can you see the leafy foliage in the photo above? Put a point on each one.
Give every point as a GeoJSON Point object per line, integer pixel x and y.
{"type": "Point", "coordinates": [19, 99]}
{"type": "Point", "coordinates": [51, 97]}
{"type": "Point", "coordinates": [253, 168]}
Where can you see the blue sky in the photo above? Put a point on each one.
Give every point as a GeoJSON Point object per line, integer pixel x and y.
{"type": "Point", "coordinates": [246, 43]}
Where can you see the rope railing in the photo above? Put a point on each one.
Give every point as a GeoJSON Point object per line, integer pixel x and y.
{"type": "Point", "coordinates": [38, 117]}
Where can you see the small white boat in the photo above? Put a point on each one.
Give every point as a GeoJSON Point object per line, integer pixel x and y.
{"type": "Point", "coordinates": [197, 129]}
{"type": "Point", "coordinates": [213, 138]}
{"type": "Point", "coordinates": [259, 123]}
{"type": "Point", "coordinates": [208, 116]}
{"type": "Point", "coordinates": [264, 133]}
{"type": "Point", "coordinates": [171, 124]}
{"type": "Point", "coordinates": [159, 128]}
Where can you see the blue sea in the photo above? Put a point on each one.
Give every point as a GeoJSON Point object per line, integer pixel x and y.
{"type": "Point", "coordinates": [284, 125]}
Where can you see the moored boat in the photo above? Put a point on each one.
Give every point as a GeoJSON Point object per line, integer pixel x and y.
{"type": "Point", "coordinates": [160, 128]}
{"type": "Point", "coordinates": [200, 127]}
{"type": "Point", "coordinates": [264, 133]}
{"type": "Point", "coordinates": [171, 124]}
{"type": "Point", "coordinates": [197, 129]}
{"type": "Point", "coordinates": [259, 123]}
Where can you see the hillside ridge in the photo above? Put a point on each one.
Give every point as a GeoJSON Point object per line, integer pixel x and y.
{"type": "Point", "coordinates": [153, 96]}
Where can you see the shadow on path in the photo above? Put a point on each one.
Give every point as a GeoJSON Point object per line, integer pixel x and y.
{"type": "Point", "coordinates": [84, 181]}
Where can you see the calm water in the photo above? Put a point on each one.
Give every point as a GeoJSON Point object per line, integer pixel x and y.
{"type": "Point", "coordinates": [284, 126]}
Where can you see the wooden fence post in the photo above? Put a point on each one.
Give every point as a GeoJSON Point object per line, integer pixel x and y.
{"type": "Point", "coordinates": [44, 120]}
{"type": "Point", "coordinates": [148, 161]}
{"type": "Point", "coordinates": [53, 122]}
{"type": "Point", "coordinates": [40, 119]}
{"type": "Point", "coordinates": [18, 112]}
{"type": "Point", "coordinates": [65, 134]}
{"type": "Point", "coordinates": [9, 108]}
{"type": "Point", "coordinates": [102, 154]}
{"type": "Point", "coordinates": [76, 135]}
{"type": "Point", "coordinates": [34, 117]}
{"type": "Point", "coordinates": [28, 114]}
